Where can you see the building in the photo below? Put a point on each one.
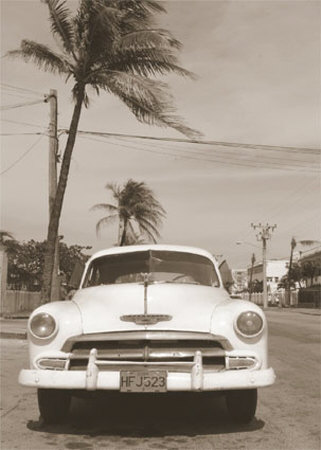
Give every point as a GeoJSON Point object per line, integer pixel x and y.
{"type": "Point", "coordinates": [312, 258]}
{"type": "Point", "coordinates": [275, 270]}
{"type": "Point", "coordinates": [240, 279]}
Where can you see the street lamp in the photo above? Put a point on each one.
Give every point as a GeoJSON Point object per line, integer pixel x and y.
{"type": "Point", "coordinates": [246, 243]}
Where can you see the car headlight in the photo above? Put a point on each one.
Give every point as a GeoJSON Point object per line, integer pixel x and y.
{"type": "Point", "coordinates": [43, 326]}
{"type": "Point", "coordinates": [249, 324]}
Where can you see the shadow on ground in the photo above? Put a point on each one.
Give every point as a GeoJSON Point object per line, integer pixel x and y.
{"type": "Point", "coordinates": [150, 416]}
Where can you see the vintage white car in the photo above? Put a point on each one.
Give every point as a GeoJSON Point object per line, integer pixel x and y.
{"type": "Point", "coordinates": [149, 318]}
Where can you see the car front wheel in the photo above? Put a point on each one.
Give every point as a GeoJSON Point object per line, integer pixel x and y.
{"type": "Point", "coordinates": [241, 404]}
{"type": "Point", "coordinates": [53, 404]}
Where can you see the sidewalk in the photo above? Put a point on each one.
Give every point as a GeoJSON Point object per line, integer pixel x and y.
{"type": "Point", "coordinates": [16, 327]}
{"type": "Point", "coordinates": [308, 311]}
{"type": "Point", "coordinates": [13, 328]}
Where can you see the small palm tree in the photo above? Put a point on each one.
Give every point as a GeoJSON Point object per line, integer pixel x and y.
{"type": "Point", "coordinates": [135, 205]}
{"type": "Point", "coordinates": [113, 46]}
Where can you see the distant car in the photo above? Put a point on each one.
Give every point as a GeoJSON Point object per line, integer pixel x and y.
{"type": "Point", "coordinates": [148, 319]}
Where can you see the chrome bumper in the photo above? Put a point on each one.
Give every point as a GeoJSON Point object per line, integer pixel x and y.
{"type": "Point", "coordinates": [187, 376]}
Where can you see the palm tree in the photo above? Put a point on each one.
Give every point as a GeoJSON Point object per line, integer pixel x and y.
{"type": "Point", "coordinates": [135, 204]}
{"type": "Point", "coordinates": [109, 45]}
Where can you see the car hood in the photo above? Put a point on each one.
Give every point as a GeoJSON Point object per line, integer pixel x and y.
{"type": "Point", "coordinates": [190, 307]}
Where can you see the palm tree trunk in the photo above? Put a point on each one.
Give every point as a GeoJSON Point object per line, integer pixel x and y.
{"type": "Point", "coordinates": [58, 202]}
{"type": "Point", "coordinates": [123, 236]}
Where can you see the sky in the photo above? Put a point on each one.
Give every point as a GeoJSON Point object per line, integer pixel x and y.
{"type": "Point", "coordinates": [258, 82]}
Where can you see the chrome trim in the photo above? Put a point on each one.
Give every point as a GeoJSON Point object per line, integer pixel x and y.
{"type": "Point", "coordinates": [146, 319]}
{"type": "Point", "coordinates": [150, 335]}
{"type": "Point", "coordinates": [48, 363]}
{"type": "Point", "coordinates": [146, 353]}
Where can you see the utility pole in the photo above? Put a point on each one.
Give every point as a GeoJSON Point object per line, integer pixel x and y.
{"type": "Point", "coordinates": [264, 234]}
{"type": "Point", "coordinates": [288, 283]}
{"type": "Point", "coordinates": [52, 175]}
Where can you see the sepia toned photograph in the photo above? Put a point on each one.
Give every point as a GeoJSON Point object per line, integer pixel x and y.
{"type": "Point", "coordinates": [160, 235]}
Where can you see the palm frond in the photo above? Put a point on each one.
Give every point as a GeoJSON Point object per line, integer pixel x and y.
{"type": "Point", "coordinates": [105, 221]}
{"type": "Point", "coordinates": [61, 23]}
{"type": "Point", "coordinates": [150, 38]}
{"type": "Point", "coordinates": [115, 189]}
{"type": "Point", "coordinates": [307, 242]}
{"type": "Point", "coordinates": [142, 222]}
{"type": "Point", "coordinates": [148, 233]}
{"type": "Point", "coordinates": [148, 61]}
{"type": "Point", "coordinates": [147, 100]}
{"type": "Point", "coordinates": [97, 25]}
{"type": "Point", "coordinates": [42, 56]}
{"type": "Point", "coordinates": [104, 206]}
{"type": "Point", "coordinates": [138, 9]}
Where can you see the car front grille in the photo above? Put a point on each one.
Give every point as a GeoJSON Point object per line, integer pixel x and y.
{"type": "Point", "coordinates": [160, 351]}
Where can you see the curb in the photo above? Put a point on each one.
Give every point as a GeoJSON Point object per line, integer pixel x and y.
{"type": "Point", "coordinates": [9, 335]}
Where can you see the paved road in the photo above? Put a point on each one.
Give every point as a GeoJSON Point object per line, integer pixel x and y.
{"type": "Point", "coordinates": [288, 415]}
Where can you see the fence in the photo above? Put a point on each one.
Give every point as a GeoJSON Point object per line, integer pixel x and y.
{"type": "Point", "coordinates": [15, 302]}
{"type": "Point", "coordinates": [275, 299]}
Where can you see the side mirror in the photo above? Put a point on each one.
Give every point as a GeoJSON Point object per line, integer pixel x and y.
{"type": "Point", "coordinates": [76, 275]}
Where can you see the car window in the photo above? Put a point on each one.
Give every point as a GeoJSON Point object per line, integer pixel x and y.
{"type": "Point", "coordinates": [160, 267]}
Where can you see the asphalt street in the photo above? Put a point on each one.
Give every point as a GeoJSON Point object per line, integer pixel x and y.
{"type": "Point", "coordinates": [288, 414]}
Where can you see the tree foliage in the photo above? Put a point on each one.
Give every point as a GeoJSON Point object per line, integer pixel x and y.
{"type": "Point", "coordinates": [26, 261]}
{"type": "Point", "coordinates": [302, 273]}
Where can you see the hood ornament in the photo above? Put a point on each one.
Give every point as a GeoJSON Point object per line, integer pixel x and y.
{"type": "Point", "coordinates": [146, 319]}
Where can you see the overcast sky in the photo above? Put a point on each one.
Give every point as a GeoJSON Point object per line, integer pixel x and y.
{"type": "Point", "coordinates": [258, 68]}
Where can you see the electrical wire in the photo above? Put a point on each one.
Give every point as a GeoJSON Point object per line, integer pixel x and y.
{"type": "Point", "coordinates": [19, 88]}
{"type": "Point", "coordinates": [23, 123]}
{"type": "Point", "coordinates": [226, 161]}
{"type": "Point", "coordinates": [18, 94]}
{"type": "Point", "coordinates": [237, 154]}
{"type": "Point", "coordinates": [21, 134]}
{"type": "Point", "coordinates": [19, 105]}
{"type": "Point", "coordinates": [22, 156]}
{"type": "Point", "coordinates": [202, 142]}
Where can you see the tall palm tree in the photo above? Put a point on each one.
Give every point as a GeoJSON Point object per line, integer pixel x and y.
{"type": "Point", "coordinates": [114, 46]}
{"type": "Point", "coordinates": [135, 204]}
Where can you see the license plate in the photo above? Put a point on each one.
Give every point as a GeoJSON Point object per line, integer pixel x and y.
{"type": "Point", "coordinates": [140, 381]}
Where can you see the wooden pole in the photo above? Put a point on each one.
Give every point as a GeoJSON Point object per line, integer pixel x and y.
{"type": "Point", "coordinates": [53, 152]}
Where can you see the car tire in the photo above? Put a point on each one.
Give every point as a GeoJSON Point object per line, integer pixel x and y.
{"type": "Point", "coordinates": [53, 405]}
{"type": "Point", "coordinates": [241, 404]}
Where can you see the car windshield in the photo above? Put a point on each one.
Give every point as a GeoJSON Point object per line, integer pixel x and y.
{"type": "Point", "coordinates": [156, 266]}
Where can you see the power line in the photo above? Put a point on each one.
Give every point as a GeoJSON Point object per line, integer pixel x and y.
{"type": "Point", "coordinates": [21, 134]}
{"type": "Point", "coordinates": [22, 156]}
{"type": "Point", "coordinates": [279, 161]}
{"type": "Point", "coordinates": [23, 123]}
{"type": "Point", "coordinates": [201, 142]}
{"type": "Point", "coordinates": [19, 88]}
{"type": "Point", "coordinates": [232, 152]}
{"type": "Point", "coordinates": [18, 94]}
{"type": "Point", "coordinates": [226, 160]}
{"type": "Point", "coordinates": [19, 105]}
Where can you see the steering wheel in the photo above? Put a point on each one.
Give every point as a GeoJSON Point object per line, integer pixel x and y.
{"type": "Point", "coordinates": [185, 276]}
